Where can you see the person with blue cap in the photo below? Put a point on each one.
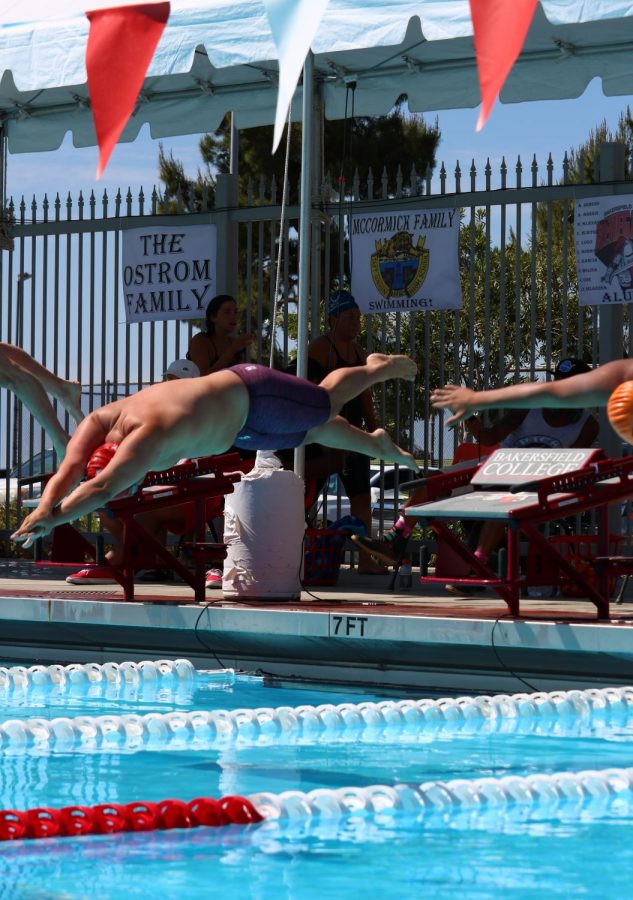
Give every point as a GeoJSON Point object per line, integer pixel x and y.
{"type": "Point", "coordinates": [336, 349]}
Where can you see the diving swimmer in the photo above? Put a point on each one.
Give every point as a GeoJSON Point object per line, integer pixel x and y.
{"type": "Point", "coordinates": [248, 406]}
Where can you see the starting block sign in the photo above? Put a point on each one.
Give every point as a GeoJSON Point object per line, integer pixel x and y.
{"type": "Point", "coordinates": [509, 466]}
{"type": "Point", "coordinates": [506, 468]}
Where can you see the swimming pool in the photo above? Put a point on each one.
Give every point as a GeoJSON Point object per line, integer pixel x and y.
{"type": "Point", "coordinates": [127, 737]}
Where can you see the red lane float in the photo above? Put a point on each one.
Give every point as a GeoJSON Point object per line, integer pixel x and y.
{"type": "Point", "coordinates": [109, 818]}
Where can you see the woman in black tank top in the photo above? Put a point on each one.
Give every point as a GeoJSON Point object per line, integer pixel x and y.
{"type": "Point", "coordinates": [219, 347]}
{"type": "Point", "coordinates": [338, 348]}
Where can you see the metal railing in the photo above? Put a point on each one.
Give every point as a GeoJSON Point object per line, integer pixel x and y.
{"type": "Point", "coordinates": [62, 298]}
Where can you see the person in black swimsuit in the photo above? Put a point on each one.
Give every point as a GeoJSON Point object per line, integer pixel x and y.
{"type": "Point", "coordinates": [219, 346]}
{"type": "Point", "coordinates": [338, 348]}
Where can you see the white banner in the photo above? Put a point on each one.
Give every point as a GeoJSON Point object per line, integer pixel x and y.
{"type": "Point", "coordinates": [406, 260]}
{"type": "Point", "coordinates": [603, 235]}
{"type": "Point", "coordinates": [168, 272]}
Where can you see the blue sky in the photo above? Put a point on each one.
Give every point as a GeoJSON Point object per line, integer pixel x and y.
{"type": "Point", "coordinates": [512, 130]}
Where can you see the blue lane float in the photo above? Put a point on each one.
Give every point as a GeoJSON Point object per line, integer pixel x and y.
{"type": "Point", "coordinates": [539, 712]}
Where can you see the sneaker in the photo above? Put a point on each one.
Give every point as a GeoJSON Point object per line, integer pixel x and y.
{"type": "Point", "coordinates": [94, 575]}
{"type": "Point", "coordinates": [159, 576]}
{"type": "Point", "coordinates": [214, 578]}
{"type": "Point", "coordinates": [462, 590]}
{"type": "Point", "coordinates": [390, 548]}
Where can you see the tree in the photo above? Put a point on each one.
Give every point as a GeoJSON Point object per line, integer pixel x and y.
{"type": "Point", "coordinates": [554, 229]}
{"type": "Point", "coordinates": [376, 143]}
{"type": "Point", "coordinates": [363, 144]}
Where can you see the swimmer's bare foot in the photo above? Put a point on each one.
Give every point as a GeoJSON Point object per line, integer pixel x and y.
{"type": "Point", "coordinates": [392, 366]}
{"type": "Point", "coordinates": [390, 452]}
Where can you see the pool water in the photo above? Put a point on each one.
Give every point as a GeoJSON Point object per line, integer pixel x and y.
{"type": "Point", "coordinates": [520, 852]}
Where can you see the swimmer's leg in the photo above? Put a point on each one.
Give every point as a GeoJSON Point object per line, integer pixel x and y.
{"type": "Point", "coordinates": [16, 363]}
{"type": "Point", "coordinates": [340, 434]}
{"type": "Point", "coordinates": [30, 391]}
{"type": "Point", "coordinates": [344, 384]}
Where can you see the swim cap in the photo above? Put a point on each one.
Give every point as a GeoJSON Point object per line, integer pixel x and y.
{"type": "Point", "coordinates": [570, 366]}
{"type": "Point", "coordinates": [339, 302]}
{"type": "Point", "coordinates": [620, 411]}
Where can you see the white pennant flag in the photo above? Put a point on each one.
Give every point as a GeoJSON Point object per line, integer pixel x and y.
{"type": "Point", "coordinates": [293, 24]}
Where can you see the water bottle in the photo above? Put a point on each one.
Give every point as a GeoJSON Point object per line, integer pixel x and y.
{"type": "Point", "coordinates": [405, 575]}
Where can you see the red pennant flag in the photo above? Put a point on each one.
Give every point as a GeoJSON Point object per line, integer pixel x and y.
{"type": "Point", "coordinates": [500, 27]}
{"type": "Point", "coordinates": [121, 44]}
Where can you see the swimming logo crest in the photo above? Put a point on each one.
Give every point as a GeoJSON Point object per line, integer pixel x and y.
{"type": "Point", "coordinates": [399, 267]}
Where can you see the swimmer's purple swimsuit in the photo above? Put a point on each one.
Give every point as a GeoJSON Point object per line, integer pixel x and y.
{"type": "Point", "coordinates": [282, 408]}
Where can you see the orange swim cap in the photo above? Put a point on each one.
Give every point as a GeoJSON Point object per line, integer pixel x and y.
{"type": "Point", "coordinates": [620, 411]}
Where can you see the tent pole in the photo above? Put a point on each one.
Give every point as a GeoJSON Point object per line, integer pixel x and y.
{"type": "Point", "coordinates": [234, 153]}
{"type": "Point", "coordinates": [610, 317]}
{"type": "Point", "coordinates": [305, 225]}
{"type": "Point", "coordinates": [611, 326]}
{"type": "Point", "coordinates": [3, 167]}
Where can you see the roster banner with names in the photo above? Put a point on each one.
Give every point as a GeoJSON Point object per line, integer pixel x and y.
{"type": "Point", "coordinates": [405, 260]}
{"type": "Point", "coordinates": [603, 235]}
{"type": "Point", "coordinates": [168, 272]}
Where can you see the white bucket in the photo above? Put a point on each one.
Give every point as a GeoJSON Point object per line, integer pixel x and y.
{"type": "Point", "coordinates": [264, 524]}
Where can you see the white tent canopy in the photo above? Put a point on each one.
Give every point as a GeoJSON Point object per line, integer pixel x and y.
{"type": "Point", "coordinates": [219, 56]}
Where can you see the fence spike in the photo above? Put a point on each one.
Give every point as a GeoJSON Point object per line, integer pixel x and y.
{"type": "Point", "coordinates": [399, 181]}
{"type": "Point", "coordinates": [356, 185]}
{"type": "Point", "coordinates": [566, 169]}
{"type": "Point", "coordinates": [413, 181]}
{"type": "Point", "coordinates": [370, 184]}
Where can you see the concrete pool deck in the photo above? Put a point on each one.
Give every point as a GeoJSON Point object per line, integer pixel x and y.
{"type": "Point", "coordinates": [356, 633]}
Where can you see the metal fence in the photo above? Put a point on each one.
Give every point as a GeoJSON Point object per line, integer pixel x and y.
{"type": "Point", "coordinates": [62, 299]}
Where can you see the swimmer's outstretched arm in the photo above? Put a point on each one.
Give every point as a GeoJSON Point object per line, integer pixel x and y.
{"type": "Point", "coordinates": [129, 465]}
{"type": "Point", "coordinates": [588, 389]}
{"type": "Point", "coordinates": [90, 433]}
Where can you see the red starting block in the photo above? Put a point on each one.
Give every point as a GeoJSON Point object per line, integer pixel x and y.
{"type": "Point", "coordinates": [526, 488]}
{"type": "Point", "coordinates": [190, 488]}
